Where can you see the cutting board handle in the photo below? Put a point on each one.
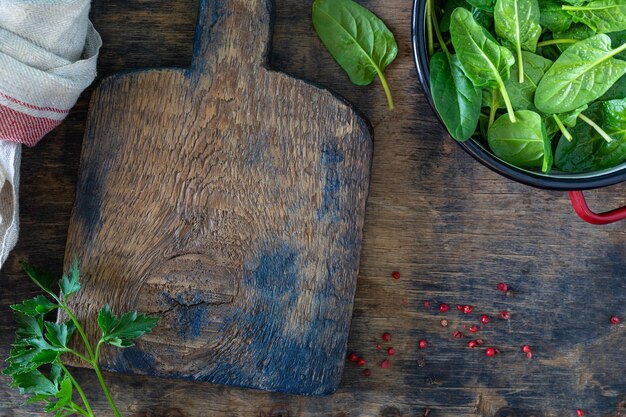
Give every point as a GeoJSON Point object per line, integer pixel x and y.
{"type": "Point", "coordinates": [232, 32]}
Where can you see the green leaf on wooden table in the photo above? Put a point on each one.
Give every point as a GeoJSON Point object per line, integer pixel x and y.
{"type": "Point", "coordinates": [358, 40]}
{"type": "Point", "coordinates": [485, 63]}
{"type": "Point", "coordinates": [43, 279]}
{"type": "Point", "coordinates": [59, 334]}
{"type": "Point", "coordinates": [120, 331]}
{"type": "Point", "coordinates": [524, 144]}
{"type": "Point", "coordinates": [70, 284]}
{"type": "Point", "coordinates": [456, 99]}
{"type": "Point", "coordinates": [517, 23]}
{"type": "Point", "coordinates": [589, 151]}
{"type": "Point", "coordinates": [553, 17]}
{"type": "Point", "coordinates": [582, 74]}
{"type": "Point", "coordinates": [35, 306]}
{"type": "Point", "coordinates": [603, 16]}
{"type": "Point", "coordinates": [33, 382]}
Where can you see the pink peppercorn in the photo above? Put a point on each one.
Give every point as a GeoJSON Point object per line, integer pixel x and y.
{"type": "Point", "coordinates": [395, 275]}
{"type": "Point", "coordinates": [386, 337]}
{"type": "Point", "coordinates": [480, 342]}
{"type": "Point", "coordinates": [353, 357]}
{"type": "Point", "coordinates": [504, 315]}
{"type": "Point", "coordinates": [580, 412]}
{"type": "Point", "coordinates": [473, 329]}
{"type": "Point", "coordinates": [615, 320]}
{"type": "Point", "coordinates": [426, 304]}
{"type": "Point", "coordinates": [503, 287]}
{"type": "Point", "coordinates": [385, 364]}
{"type": "Point", "coordinates": [490, 352]}
{"type": "Point", "coordinates": [361, 362]}
{"type": "Point", "coordinates": [472, 344]}
{"type": "Point", "coordinates": [525, 348]}
{"type": "Point", "coordinates": [484, 319]}
{"type": "Point", "coordinates": [457, 334]}
{"type": "Point", "coordinates": [444, 308]}
{"type": "Point", "coordinates": [468, 309]}
{"type": "Point", "coordinates": [423, 344]}
{"type": "Point", "coordinates": [391, 351]}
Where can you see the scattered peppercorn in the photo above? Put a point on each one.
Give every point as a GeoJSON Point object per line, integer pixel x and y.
{"type": "Point", "coordinates": [378, 347]}
{"type": "Point", "coordinates": [385, 364]}
{"type": "Point", "coordinates": [529, 355]}
{"type": "Point", "coordinates": [472, 344]}
{"type": "Point", "coordinates": [615, 320]}
{"type": "Point", "coordinates": [444, 308]}
{"type": "Point", "coordinates": [473, 329]}
{"type": "Point", "coordinates": [504, 315]}
{"type": "Point", "coordinates": [395, 275]}
{"type": "Point", "coordinates": [423, 344]}
{"type": "Point", "coordinates": [580, 412]}
{"type": "Point", "coordinates": [468, 309]}
{"type": "Point", "coordinates": [490, 352]}
{"type": "Point", "coordinates": [457, 334]}
{"type": "Point", "coordinates": [480, 342]}
{"type": "Point", "coordinates": [525, 348]}
{"type": "Point", "coordinates": [426, 304]}
{"type": "Point", "coordinates": [391, 351]}
{"type": "Point", "coordinates": [361, 362]}
{"type": "Point", "coordinates": [444, 323]}
{"type": "Point", "coordinates": [503, 287]}
{"type": "Point", "coordinates": [367, 372]}
{"type": "Point", "coordinates": [386, 337]}
{"type": "Point", "coordinates": [484, 319]}
{"type": "Point", "coordinates": [459, 307]}
{"type": "Point", "coordinates": [353, 357]}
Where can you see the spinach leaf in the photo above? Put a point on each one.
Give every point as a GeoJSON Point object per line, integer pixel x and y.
{"type": "Point", "coordinates": [358, 40]}
{"type": "Point", "coordinates": [588, 151]}
{"type": "Point", "coordinates": [517, 23]}
{"type": "Point", "coordinates": [577, 32]}
{"type": "Point", "coordinates": [485, 63]}
{"type": "Point", "coordinates": [618, 39]}
{"type": "Point", "coordinates": [617, 91]}
{"type": "Point", "coordinates": [524, 144]}
{"type": "Point", "coordinates": [456, 99]}
{"type": "Point", "coordinates": [486, 5]}
{"type": "Point", "coordinates": [553, 17]}
{"type": "Point", "coordinates": [483, 17]}
{"type": "Point", "coordinates": [603, 16]}
{"type": "Point", "coordinates": [448, 8]}
{"type": "Point", "coordinates": [522, 94]}
{"type": "Point", "coordinates": [581, 75]}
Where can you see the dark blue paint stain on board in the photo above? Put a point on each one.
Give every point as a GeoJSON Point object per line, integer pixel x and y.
{"type": "Point", "coordinates": [291, 361]}
{"type": "Point", "coordinates": [331, 159]}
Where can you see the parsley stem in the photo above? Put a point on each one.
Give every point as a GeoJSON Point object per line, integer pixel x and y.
{"type": "Point", "coordinates": [106, 390]}
{"type": "Point", "coordinates": [80, 356]}
{"type": "Point", "coordinates": [80, 329]}
{"type": "Point", "coordinates": [77, 409]}
{"type": "Point", "coordinates": [78, 389]}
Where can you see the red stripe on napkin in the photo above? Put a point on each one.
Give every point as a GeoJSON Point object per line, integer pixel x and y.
{"type": "Point", "coordinates": [23, 128]}
{"type": "Point", "coordinates": [33, 107]}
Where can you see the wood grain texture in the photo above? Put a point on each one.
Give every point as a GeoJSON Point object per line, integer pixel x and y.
{"type": "Point", "coordinates": [229, 199]}
{"type": "Point", "coordinates": [451, 227]}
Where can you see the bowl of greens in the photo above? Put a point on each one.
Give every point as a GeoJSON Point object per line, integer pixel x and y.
{"type": "Point", "coordinates": [533, 89]}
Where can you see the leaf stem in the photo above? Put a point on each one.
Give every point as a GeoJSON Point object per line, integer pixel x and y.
{"type": "Point", "coordinates": [562, 127]}
{"type": "Point", "coordinates": [383, 80]}
{"type": "Point", "coordinates": [77, 409]}
{"type": "Point", "coordinates": [597, 128]}
{"type": "Point", "coordinates": [556, 42]}
{"type": "Point", "coordinates": [79, 328]}
{"type": "Point", "coordinates": [80, 356]}
{"type": "Point", "coordinates": [429, 27]}
{"type": "Point", "coordinates": [78, 388]}
{"type": "Point", "coordinates": [435, 22]}
{"type": "Point", "coordinates": [520, 65]}
{"type": "Point", "coordinates": [96, 368]}
{"type": "Point", "coordinates": [492, 112]}
{"type": "Point", "coordinates": [507, 100]}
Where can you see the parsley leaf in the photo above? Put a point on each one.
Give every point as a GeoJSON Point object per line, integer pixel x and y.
{"type": "Point", "coordinates": [70, 284]}
{"type": "Point", "coordinates": [59, 334]}
{"type": "Point", "coordinates": [120, 331]}
{"type": "Point", "coordinates": [43, 279]}
{"type": "Point", "coordinates": [33, 382]}
{"type": "Point", "coordinates": [35, 306]}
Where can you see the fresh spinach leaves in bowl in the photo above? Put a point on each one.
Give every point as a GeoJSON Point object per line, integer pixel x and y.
{"type": "Point", "coordinates": [542, 83]}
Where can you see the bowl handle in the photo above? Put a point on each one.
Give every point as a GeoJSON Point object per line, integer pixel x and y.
{"type": "Point", "coordinates": [582, 209]}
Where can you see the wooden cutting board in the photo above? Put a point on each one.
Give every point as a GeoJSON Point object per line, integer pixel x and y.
{"type": "Point", "coordinates": [229, 199]}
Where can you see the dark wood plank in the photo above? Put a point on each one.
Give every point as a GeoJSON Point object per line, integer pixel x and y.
{"type": "Point", "coordinates": [451, 227]}
{"type": "Point", "coordinates": [229, 199]}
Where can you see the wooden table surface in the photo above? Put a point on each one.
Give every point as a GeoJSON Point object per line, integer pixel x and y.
{"type": "Point", "coordinates": [451, 227]}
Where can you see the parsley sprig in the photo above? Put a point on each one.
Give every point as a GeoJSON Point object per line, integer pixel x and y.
{"type": "Point", "coordinates": [35, 364]}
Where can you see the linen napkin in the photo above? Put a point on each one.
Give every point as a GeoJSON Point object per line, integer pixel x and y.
{"type": "Point", "coordinates": [48, 54]}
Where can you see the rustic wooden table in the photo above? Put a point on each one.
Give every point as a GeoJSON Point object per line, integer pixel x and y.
{"type": "Point", "coordinates": [451, 227]}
